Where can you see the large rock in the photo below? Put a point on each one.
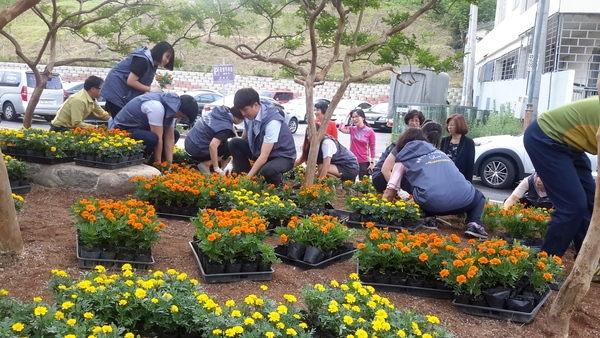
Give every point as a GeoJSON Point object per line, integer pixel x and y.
{"type": "Point", "coordinates": [102, 181]}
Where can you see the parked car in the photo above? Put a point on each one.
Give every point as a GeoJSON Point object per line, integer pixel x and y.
{"type": "Point", "coordinates": [74, 87]}
{"type": "Point", "coordinates": [16, 87]}
{"type": "Point", "coordinates": [377, 117]}
{"type": "Point", "coordinates": [281, 96]}
{"type": "Point", "coordinates": [501, 160]}
{"type": "Point", "coordinates": [290, 119]}
{"type": "Point", "coordinates": [297, 107]}
{"type": "Point", "coordinates": [345, 106]}
{"type": "Point", "coordinates": [204, 96]}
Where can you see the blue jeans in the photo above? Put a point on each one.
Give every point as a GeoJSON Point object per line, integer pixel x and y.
{"type": "Point", "coordinates": [474, 210]}
{"type": "Point", "coordinates": [567, 177]}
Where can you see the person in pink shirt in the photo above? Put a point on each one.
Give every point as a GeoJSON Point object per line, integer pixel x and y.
{"type": "Point", "coordinates": [362, 141]}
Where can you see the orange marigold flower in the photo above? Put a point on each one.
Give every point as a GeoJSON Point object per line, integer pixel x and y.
{"type": "Point", "coordinates": [458, 263]}
{"type": "Point", "coordinates": [482, 260]}
{"type": "Point", "coordinates": [557, 259]}
{"type": "Point", "coordinates": [495, 261]}
{"type": "Point", "coordinates": [361, 246]}
{"type": "Point", "coordinates": [547, 276]}
{"type": "Point", "coordinates": [283, 238]}
{"type": "Point", "coordinates": [461, 279]}
{"type": "Point", "coordinates": [423, 257]}
{"type": "Point", "coordinates": [444, 273]}
{"type": "Point", "coordinates": [541, 265]}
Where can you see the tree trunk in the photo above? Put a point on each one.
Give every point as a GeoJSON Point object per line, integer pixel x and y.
{"type": "Point", "coordinates": [10, 233]}
{"type": "Point", "coordinates": [41, 80]}
{"type": "Point", "coordinates": [578, 282]}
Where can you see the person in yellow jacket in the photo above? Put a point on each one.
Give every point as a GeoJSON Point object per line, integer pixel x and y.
{"type": "Point", "coordinates": [79, 106]}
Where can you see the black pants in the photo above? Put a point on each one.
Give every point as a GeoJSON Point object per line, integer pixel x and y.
{"type": "Point", "coordinates": [58, 129]}
{"type": "Point", "coordinates": [272, 171]}
{"type": "Point", "coordinates": [112, 108]}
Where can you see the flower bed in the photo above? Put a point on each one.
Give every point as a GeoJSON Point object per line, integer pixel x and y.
{"type": "Point", "coordinates": [518, 222]}
{"type": "Point", "coordinates": [272, 208]}
{"type": "Point", "coordinates": [373, 208]}
{"type": "Point", "coordinates": [170, 303]}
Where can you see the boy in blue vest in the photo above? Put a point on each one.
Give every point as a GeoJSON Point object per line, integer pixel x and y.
{"type": "Point", "coordinates": [266, 140]}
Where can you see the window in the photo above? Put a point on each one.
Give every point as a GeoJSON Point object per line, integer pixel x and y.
{"type": "Point", "coordinates": [488, 71]}
{"type": "Point", "coordinates": [507, 65]}
{"type": "Point", "coordinates": [11, 79]}
{"type": "Point", "coordinates": [52, 83]}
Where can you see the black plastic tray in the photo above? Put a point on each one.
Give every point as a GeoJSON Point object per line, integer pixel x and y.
{"type": "Point", "coordinates": [361, 225]}
{"type": "Point", "coordinates": [21, 189]}
{"type": "Point", "coordinates": [413, 290]}
{"type": "Point", "coordinates": [110, 166]}
{"type": "Point", "coordinates": [342, 215]}
{"type": "Point", "coordinates": [322, 264]}
{"type": "Point", "coordinates": [514, 316]}
{"type": "Point", "coordinates": [230, 277]}
{"type": "Point", "coordinates": [174, 216]}
{"type": "Point", "coordinates": [110, 264]}
{"type": "Point", "coordinates": [41, 159]}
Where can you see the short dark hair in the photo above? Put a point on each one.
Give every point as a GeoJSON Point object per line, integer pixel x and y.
{"type": "Point", "coordinates": [236, 113]}
{"type": "Point", "coordinates": [322, 106]}
{"type": "Point", "coordinates": [92, 81]}
{"type": "Point", "coordinates": [159, 50]}
{"type": "Point", "coordinates": [189, 107]}
{"type": "Point", "coordinates": [410, 134]}
{"type": "Point", "coordinates": [411, 114]}
{"type": "Point", "coordinates": [433, 131]}
{"type": "Point", "coordinates": [245, 97]}
{"type": "Point", "coordinates": [460, 124]}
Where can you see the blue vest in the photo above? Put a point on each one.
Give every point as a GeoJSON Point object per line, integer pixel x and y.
{"type": "Point", "coordinates": [284, 147]}
{"type": "Point", "coordinates": [342, 157]}
{"type": "Point", "coordinates": [438, 185]}
{"type": "Point", "coordinates": [391, 149]}
{"type": "Point", "coordinates": [115, 88]}
{"type": "Point", "coordinates": [534, 198]}
{"type": "Point", "coordinates": [132, 116]}
{"type": "Point", "coordinates": [199, 138]}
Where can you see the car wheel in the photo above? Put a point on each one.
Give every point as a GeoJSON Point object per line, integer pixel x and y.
{"type": "Point", "coordinates": [9, 112]}
{"type": "Point", "coordinates": [497, 172]}
{"type": "Point", "coordinates": [293, 125]}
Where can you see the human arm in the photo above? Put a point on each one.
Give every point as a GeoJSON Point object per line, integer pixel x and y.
{"type": "Point", "coordinates": [262, 159]}
{"type": "Point", "coordinates": [343, 127]}
{"type": "Point", "coordinates": [388, 165]}
{"type": "Point", "coordinates": [394, 183]}
{"type": "Point", "coordinates": [372, 150]}
{"type": "Point", "coordinates": [138, 67]}
{"type": "Point", "coordinates": [99, 112]}
{"type": "Point", "coordinates": [519, 192]}
{"type": "Point", "coordinates": [77, 110]}
{"type": "Point", "coordinates": [169, 144]}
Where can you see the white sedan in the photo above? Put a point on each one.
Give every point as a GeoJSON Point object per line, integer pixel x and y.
{"type": "Point", "coordinates": [501, 160]}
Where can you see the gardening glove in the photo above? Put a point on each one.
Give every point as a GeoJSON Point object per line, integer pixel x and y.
{"type": "Point", "coordinates": [228, 169]}
{"type": "Point", "coordinates": [218, 170]}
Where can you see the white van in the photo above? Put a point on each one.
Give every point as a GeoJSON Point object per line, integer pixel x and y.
{"type": "Point", "coordinates": [16, 87]}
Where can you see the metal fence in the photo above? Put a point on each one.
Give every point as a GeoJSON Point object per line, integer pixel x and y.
{"type": "Point", "coordinates": [437, 112]}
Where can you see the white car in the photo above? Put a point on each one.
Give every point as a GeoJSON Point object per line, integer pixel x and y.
{"type": "Point", "coordinates": [501, 160]}
{"type": "Point", "coordinates": [290, 120]}
{"type": "Point", "coordinates": [345, 106]}
{"type": "Point", "coordinates": [297, 107]}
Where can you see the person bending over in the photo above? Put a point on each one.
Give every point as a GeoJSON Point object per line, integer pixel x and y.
{"type": "Point", "coordinates": [79, 106]}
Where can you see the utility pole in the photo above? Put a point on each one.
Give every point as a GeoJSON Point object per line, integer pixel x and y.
{"type": "Point", "coordinates": [540, 31]}
{"type": "Point", "coordinates": [469, 60]}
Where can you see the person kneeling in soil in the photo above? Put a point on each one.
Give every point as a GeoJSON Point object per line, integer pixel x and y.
{"type": "Point", "coordinates": [207, 141]}
{"type": "Point", "coordinates": [435, 183]}
{"type": "Point", "coordinates": [531, 193]}
{"type": "Point", "coordinates": [333, 160]}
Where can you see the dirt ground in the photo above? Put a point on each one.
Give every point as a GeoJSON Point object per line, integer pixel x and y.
{"type": "Point", "coordinates": [50, 244]}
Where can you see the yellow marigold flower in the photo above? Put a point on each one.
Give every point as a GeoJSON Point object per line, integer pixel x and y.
{"type": "Point", "coordinates": [154, 300]}
{"type": "Point", "coordinates": [217, 331]}
{"type": "Point", "coordinates": [360, 333]}
{"type": "Point", "coordinates": [129, 335]}
{"type": "Point", "coordinates": [3, 292]}
{"type": "Point", "coordinates": [74, 296]}
{"type": "Point", "coordinates": [40, 311]}
{"type": "Point", "coordinates": [88, 315]}
{"type": "Point", "coordinates": [291, 332]}
{"type": "Point", "coordinates": [127, 273]}
{"type": "Point", "coordinates": [140, 293]}
{"type": "Point", "coordinates": [350, 298]}
{"type": "Point", "coordinates": [174, 308]}
{"type": "Point", "coordinates": [274, 317]}
{"type": "Point", "coordinates": [71, 321]}
{"type": "Point", "coordinates": [348, 320]}
{"type": "Point", "coordinates": [319, 287]}
{"type": "Point", "coordinates": [427, 335]}
{"type": "Point", "coordinates": [58, 315]}
{"type": "Point", "coordinates": [257, 315]}
{"type": "Point", "coordinates": [107, 328]}
{"type": "Point", "coordinates": [343, 287]}
{"type": "Point", "coordinates": [269, 334]}
{"type": "Point", "coordinates": [280, 325]}
{"type": "Point", "coordinates": [172, 271]}
{"type": "Point", "coordinates": [67, 305]}
{"type": "Point", "coordinates": [158, 274]}
{"type": "Point", "coordinates": [236, 313]}
{"type": "Point", "coordinates": [182, 276]}
{"type": "Point", "coordinates": [334, 283]}
{"type": "Point", "coordinates": [282, 309]}
{"type": "Point", "coordinates": [100, 268]}
{"type": "Point", "coordinates": [354, 276]}
{"type": "Point", "coordinates": [229, 303]}
{"type": "Point", "coordinates": [290, 298]}
{"type": "Point", "coordinates": [71, 336]}
{"type": "Point", "coordinates": [17, 327]}
{"type": "Point", "coordinates": [126, 267]}
{"type": "Point", "coordinates": [122, 302]}
{"type": "Point", "coordinates": [37, 299]}
{"type": "Point", "coordinates": [248, 321]}
{"type": "Point", "coordinates": [96, 329]}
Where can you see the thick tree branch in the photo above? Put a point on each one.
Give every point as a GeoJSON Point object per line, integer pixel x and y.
{"type": "Point", "coordinates": [11, 12]}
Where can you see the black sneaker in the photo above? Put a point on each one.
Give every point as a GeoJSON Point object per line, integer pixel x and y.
{"type": "Point", "coordinates": [430, 223]}
{"type": "Point", "coordinates": [476, 230]}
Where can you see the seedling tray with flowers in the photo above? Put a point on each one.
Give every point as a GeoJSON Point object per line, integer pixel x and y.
{"type": "Point", "coordinates": [112, 233]}
{"type": "Point", "coordinates": [229, 246]}
{"type": "Point", "coordinates": [382, 213]}
{"type": "Point", "coordinates": [107, 165]}
{"type": "Point", "coordinates": [315, 241]}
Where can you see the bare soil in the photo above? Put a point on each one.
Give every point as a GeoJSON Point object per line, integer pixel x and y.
{"type": "Point", "coordinates": [50, 244]}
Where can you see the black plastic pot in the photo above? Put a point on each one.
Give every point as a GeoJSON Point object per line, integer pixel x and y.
{"type": "Point", "coordinates": [312, 255]}
{"type": "Point", "coordinates": [496, 297]}
{"type": "Point", "coordinates": [520, 303]}
{"type": "Point", "coordinates": [296, 250]}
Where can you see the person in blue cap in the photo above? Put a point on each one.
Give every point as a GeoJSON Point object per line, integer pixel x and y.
{"type": "Point", "coordinates": [152, 117]}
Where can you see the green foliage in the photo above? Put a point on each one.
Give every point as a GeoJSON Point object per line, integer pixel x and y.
{"type": "Point", "coordinates": [497, 123]}
{"type": "Point", "coordinates": [455, 16]}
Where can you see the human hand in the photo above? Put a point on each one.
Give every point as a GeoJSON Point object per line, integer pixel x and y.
{"type": "Point", "coordinates": [228, 169]}
{"type": "Point", "coordinates": [218, 170]}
